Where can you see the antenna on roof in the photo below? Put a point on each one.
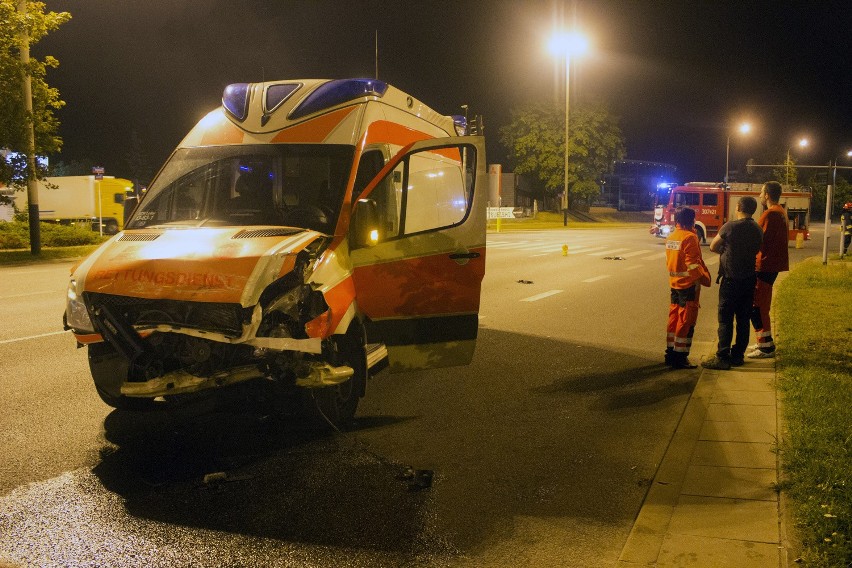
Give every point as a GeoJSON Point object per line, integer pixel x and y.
{"type": "Point", "coordinates": [377, 55]}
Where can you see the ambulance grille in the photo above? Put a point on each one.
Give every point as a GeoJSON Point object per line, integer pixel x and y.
{"type": "Point", "coordinates": [139, 236]}
{"type": "Point", "coordinates": [257, 233]}
{"type": "Point", "coordinates": [214, 317]}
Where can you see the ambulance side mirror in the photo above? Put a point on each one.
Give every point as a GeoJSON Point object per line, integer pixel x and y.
{"type": "Point", "coordinates": [364, 229]}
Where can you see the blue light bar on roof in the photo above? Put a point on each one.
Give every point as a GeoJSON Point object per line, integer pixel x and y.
{"type": "Point", "coordinates": [336, 92]}
{"type": "Point", "coordinates": [460, 122]}
{"type": "Point", "coordinates": [235, 100]}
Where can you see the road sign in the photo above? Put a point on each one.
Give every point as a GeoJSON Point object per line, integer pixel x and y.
{"type": "Point", "coordinates": [501, 212]}
{"type": "Point", "coordinates": [99, 172]}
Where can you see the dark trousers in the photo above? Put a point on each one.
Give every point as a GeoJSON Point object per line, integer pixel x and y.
{"type": "Point", "coordinates": [736, 296]}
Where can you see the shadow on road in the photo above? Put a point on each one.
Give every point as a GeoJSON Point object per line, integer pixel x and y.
{"type": "Point", "coordinates": [533, 429]}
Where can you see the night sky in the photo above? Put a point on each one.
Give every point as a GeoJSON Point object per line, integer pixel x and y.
{"type": "Point", "coordinates": [680, 74]}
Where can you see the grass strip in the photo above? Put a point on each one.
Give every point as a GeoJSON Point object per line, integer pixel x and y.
{"type": "Point", "coordinates": [47, 254]}
{"type": "Point", "coordinates": [814, 309]}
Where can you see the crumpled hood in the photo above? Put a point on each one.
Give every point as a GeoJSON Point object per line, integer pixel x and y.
{"type": "Point", "coordinates": [230, 265]}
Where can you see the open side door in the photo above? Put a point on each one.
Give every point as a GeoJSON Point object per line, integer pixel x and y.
{"type": "Point", "coordinates": [418, 252]}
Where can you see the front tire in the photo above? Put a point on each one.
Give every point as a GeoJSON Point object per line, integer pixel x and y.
{"type": "Point", "coordinates": [337, 404]}
{"type": "Point", "coordinates": [109, 370]}
{"type": "Point", "coordinates": [701, 237]}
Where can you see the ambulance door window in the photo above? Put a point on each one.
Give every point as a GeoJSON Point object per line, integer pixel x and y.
{"type": "Point", "coordinates": [436, 193]}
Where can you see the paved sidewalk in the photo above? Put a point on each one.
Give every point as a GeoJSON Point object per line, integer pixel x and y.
{"type": "Point", "coordinates": [713, 501]}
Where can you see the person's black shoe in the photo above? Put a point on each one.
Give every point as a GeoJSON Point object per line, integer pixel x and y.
{"type": "Point", "coordinates": [669, 358]}
{"type": "Point", "coordinates": [680, 361]}
{"type": "Point", "coordinates": [716, 363]}
{"type": "Point", "coordinates": [737, 362]}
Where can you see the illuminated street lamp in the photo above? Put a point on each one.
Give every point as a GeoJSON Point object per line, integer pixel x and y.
{"type": "Point", "coordinates": [803, 143]}
{"type": "Point", "coordinates": [744, 128]}
{"type": "Point", "coordinates": [567, 44]}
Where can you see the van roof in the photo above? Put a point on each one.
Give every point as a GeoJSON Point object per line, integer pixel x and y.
{"type": "Point", "coordinates": [257, 112]}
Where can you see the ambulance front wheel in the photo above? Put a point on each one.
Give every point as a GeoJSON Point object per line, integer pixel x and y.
{"type": "Point", "coordinates": [109, 368]}
{"type": "Point", "coordinates": [337, 405]}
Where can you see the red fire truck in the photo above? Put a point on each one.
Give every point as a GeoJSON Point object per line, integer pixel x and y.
{"type": "Point", "coordinates": [715, 204]}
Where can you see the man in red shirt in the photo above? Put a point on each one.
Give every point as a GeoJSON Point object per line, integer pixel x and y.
{"type": "Point", "coordinates": [772, 259]}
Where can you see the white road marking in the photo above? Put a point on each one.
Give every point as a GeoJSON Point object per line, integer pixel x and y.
{"type": "Point", "coordinates": [634, 267]}
{"type": "Point", "coordinates": [582, 249]}
{"type": "Point", "coordinates": [59, 292]}
{"type": "Point", "coordinates": [596, 278]}
{"type": "Point", "coordinates": [32, 337]}
{"type": "Point", "coordinates": [657, 256]}
{"type": "Point", "coordinates": [712, 260]}
{"type": "Point", "coordinates": [541, 296]}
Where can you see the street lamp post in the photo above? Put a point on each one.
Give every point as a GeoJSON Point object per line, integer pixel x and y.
{"type": "Point", "coordinates": [567, 44]}
{"type": "Point", "coordinates": [744, 128]}
{"type": "Point", "coordinates": [802, 143]}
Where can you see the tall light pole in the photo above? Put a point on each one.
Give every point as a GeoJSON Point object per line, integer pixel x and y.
{"type": "Point", "coordinates": [802, 144]}
{"type": "Point", "coordinates": [32, 184]}
{"type": "Point", "coordinates": [567, 44]}
{"type": "Point", "coordinates": [744, 128]}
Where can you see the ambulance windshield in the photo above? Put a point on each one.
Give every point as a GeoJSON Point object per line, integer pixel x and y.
{"type": "Point", "coordinates": [291, 185]}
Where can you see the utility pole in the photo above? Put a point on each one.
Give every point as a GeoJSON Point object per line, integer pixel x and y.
{"type": "Point", "coordinates": [32, 183]}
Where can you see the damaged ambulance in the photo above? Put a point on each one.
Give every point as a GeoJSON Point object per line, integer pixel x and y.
{"type": "Point", "coordinates": [302, 236]}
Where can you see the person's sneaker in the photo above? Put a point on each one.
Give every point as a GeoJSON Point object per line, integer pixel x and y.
{"type": "Point", "coordinates": [716, 363]}
{"type": "Point", "coordinates": [758, 354]}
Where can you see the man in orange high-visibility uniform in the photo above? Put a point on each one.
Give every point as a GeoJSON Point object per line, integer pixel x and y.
{"type": "Point", "coordinates": [687, 273]}
{"type": "Point", "coordinates": [772, 259]}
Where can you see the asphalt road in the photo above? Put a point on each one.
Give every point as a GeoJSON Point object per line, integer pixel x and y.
{"type": "Point", "coordinates": [541, 450]}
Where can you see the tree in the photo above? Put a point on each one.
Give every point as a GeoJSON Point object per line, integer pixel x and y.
{"type": "Point", "coordinates": [535, 138]}
{"type": "Point", "coordinates": [14, 119]}
{"type": "Point", "coordinates": [786, 173]}
{"type": "Point", "coordinates": [841, 194]}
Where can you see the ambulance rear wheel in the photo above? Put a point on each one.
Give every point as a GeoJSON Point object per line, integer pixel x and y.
{"type": "Point", "coordinates": [337, 405]}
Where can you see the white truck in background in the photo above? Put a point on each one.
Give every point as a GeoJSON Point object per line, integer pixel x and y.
{"type": "Point", "coordinates": [80, 200]}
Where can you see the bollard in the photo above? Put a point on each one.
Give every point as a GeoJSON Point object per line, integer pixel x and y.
{"type": "Point", "coordinates": [564, 250]}
{"type": "Point", "coordinates": [800, 240]}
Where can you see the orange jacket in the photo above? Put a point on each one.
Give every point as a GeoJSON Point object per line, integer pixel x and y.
{"type": "Point", "coordinates": [683, 259]}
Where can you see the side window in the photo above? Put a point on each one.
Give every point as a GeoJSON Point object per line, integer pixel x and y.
{"type": "Point", "coordinates": [436, 192]}
{"type": "Point", "coordinates": [118, 198]}
{"type": "Point", "coordinates": [370, 165]}
{"type": "Point", "coordinates": [388, 198]}
{"type": "Point", "coordinates": [711, 199]}
{"type": "Point", "coordinates": [427, 190]}
{"type": "Point", "coordinates": [686, 199]}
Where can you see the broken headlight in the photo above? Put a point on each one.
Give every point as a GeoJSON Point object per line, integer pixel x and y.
{"type": "Point", "coordinates": [77, 316]}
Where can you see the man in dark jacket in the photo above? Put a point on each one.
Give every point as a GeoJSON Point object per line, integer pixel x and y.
{"type": "Point", "coordinates": [738, 242]}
